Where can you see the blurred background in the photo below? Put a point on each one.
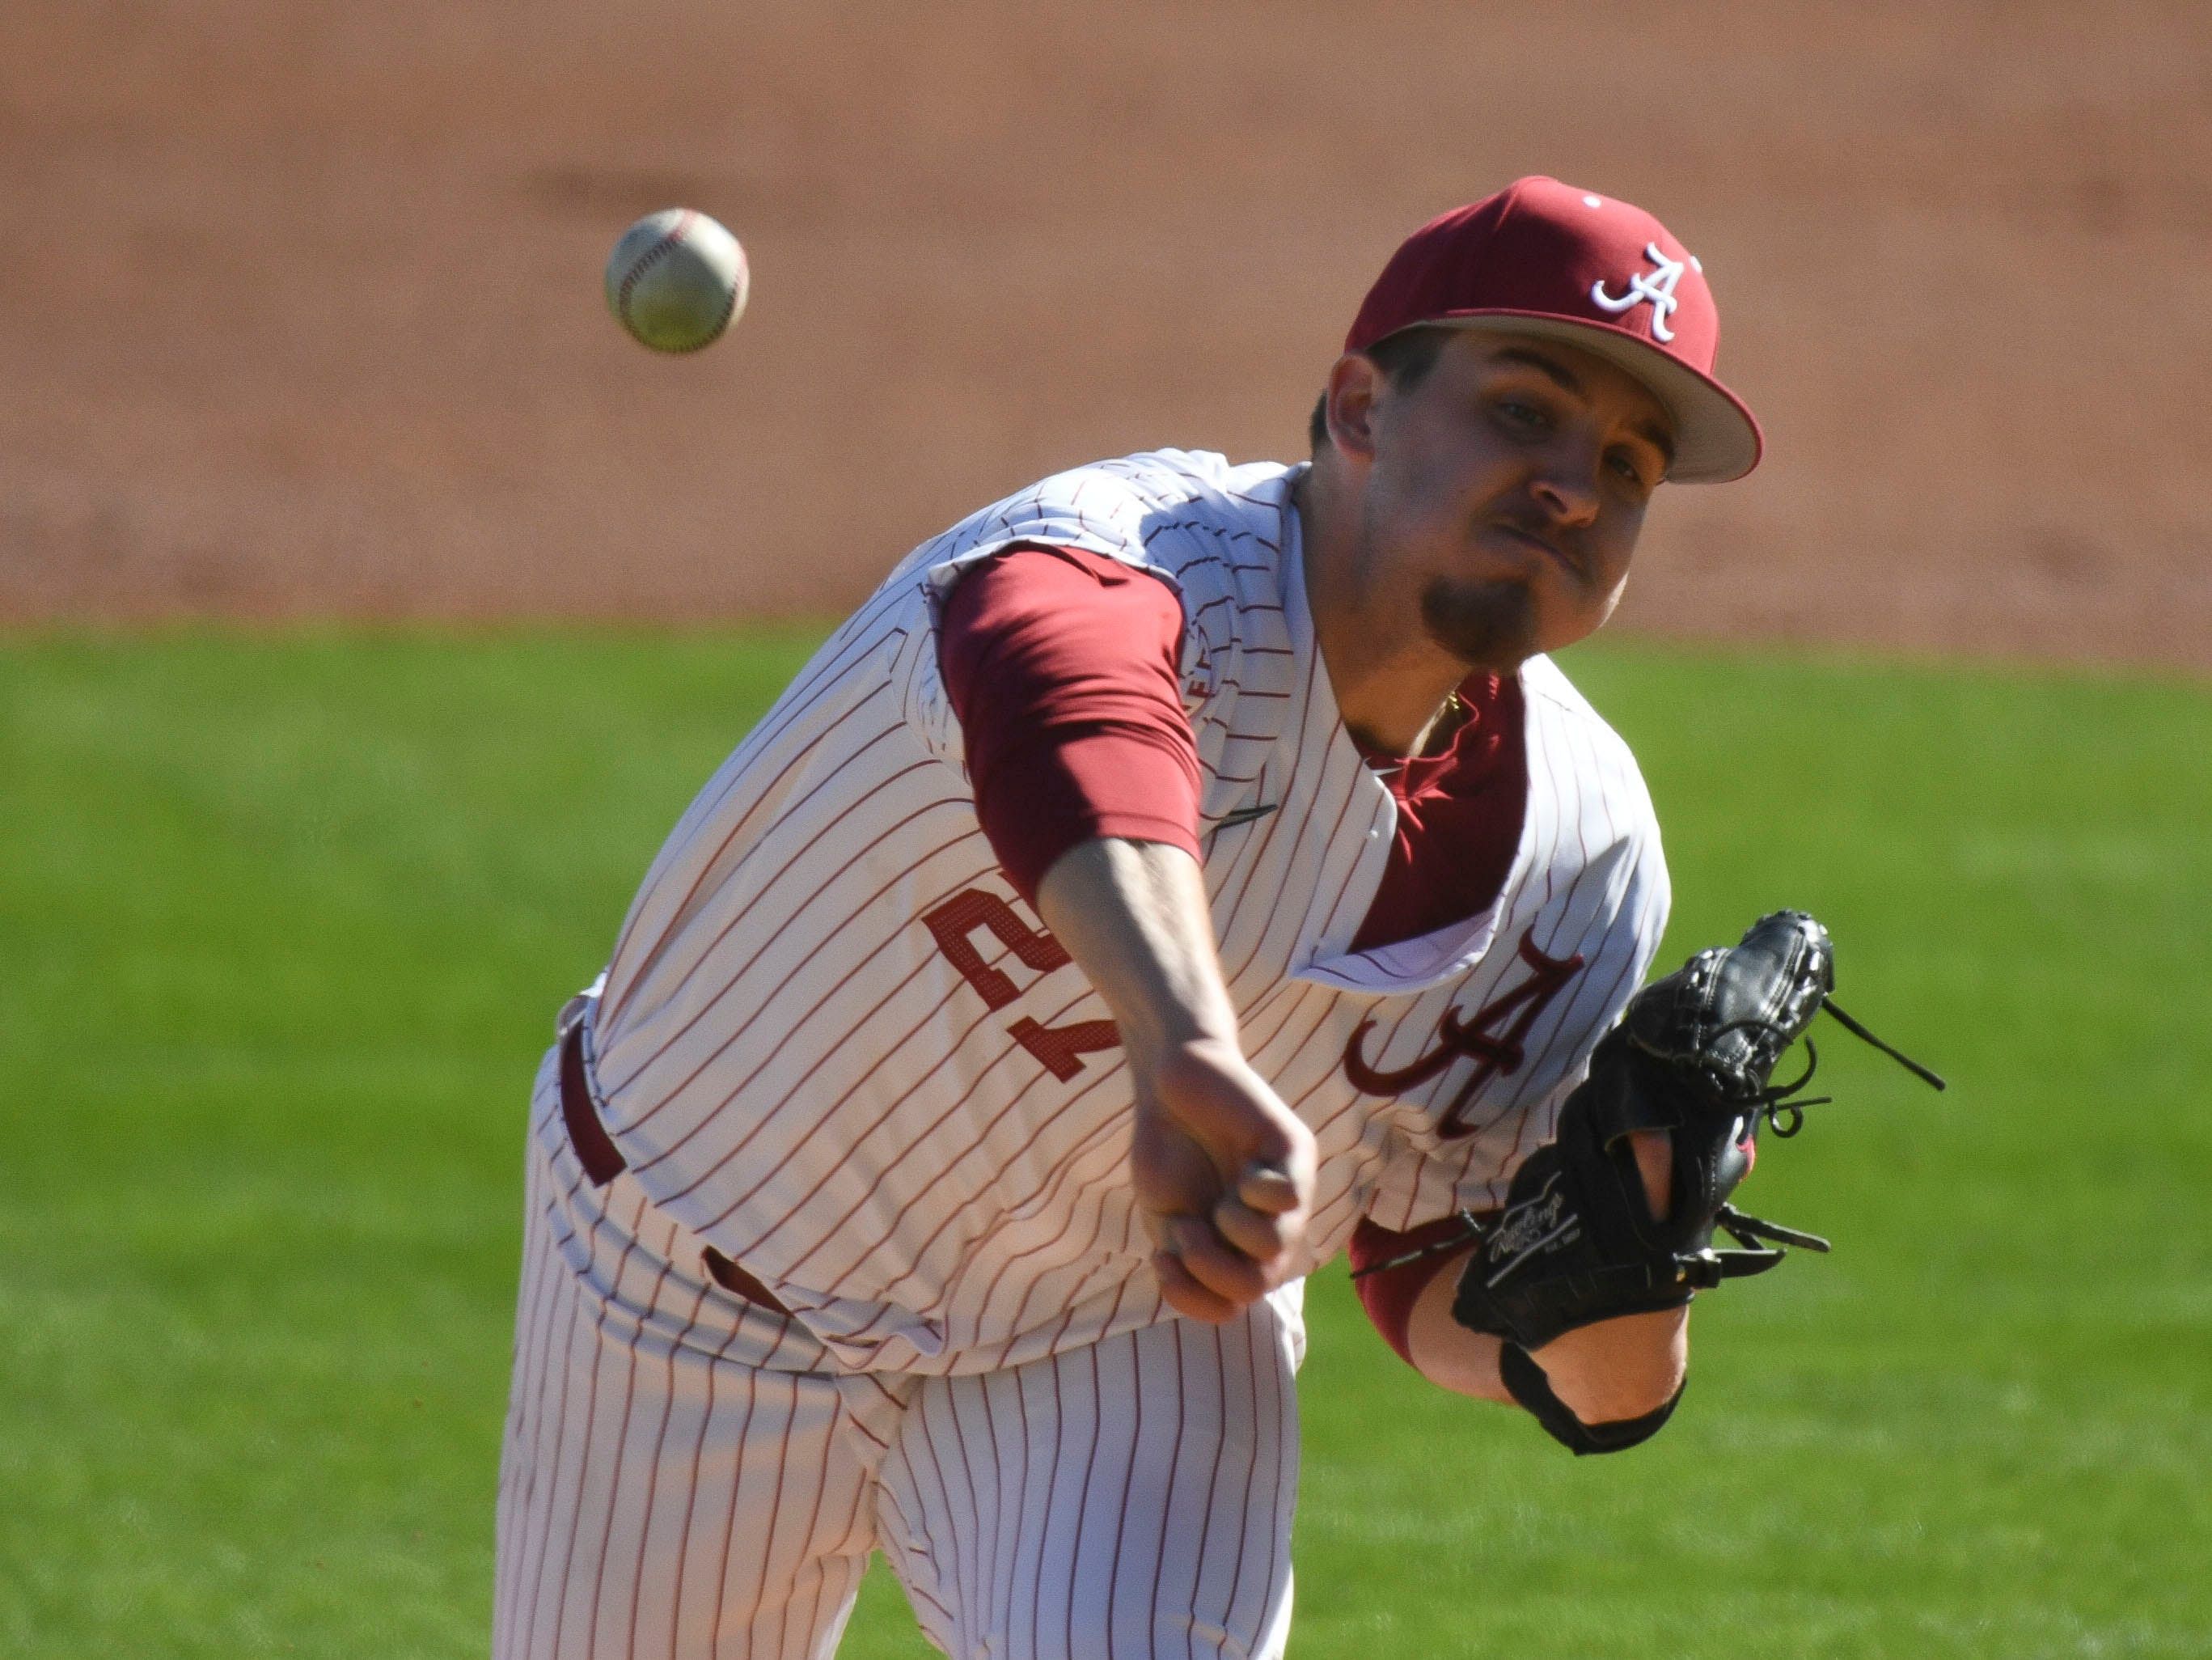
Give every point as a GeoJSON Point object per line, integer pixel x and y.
{"type": "Point", "coordinates": [300, 314]}
{"type": "Point", "coordinates": [370, 605]}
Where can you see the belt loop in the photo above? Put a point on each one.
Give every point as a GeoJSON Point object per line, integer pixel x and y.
{"type": "Point", "coordinates": [733, 1278]}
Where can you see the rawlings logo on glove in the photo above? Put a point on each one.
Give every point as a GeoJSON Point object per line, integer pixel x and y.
{"type": "Point", "coordinates": [1539, 1220]}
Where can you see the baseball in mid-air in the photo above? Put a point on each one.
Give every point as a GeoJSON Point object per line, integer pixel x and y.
{"type": "Point", "coordinates": [677, 279]}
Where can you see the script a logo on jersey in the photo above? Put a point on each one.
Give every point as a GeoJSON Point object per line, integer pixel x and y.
{"type": "Point", "coordinates": [1656, 286]}
{"type": "Point", "coordinates": [1477, 1038]}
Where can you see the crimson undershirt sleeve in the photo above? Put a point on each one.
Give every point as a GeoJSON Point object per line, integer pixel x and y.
{"type": "Point", "coordinates": [1062, 666]}
{"type": "Point", "coordinates": [1389, 1294]}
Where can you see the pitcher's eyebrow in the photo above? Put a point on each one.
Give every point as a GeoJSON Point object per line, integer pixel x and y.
{"type": "Point", "coordinates": [1536, 359]}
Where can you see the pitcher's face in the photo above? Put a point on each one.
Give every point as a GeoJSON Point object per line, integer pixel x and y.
{"type": "Point", "coordinates": [1504, 492]}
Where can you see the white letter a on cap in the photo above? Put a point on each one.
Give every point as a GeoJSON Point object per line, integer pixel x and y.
{"type": "Point", "coordinates": [1656, 286]}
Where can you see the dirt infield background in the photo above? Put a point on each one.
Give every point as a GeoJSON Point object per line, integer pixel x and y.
{"type": "Point", "coordinates": [300, 310]}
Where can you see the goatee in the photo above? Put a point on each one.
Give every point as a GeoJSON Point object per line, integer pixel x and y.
{"type": "Point", "coordinates": [1486, 625]}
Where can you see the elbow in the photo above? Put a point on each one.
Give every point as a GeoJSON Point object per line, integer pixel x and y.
{"type": "Point", "coordinates": [1624, 1367]}
{"type": "Point", "coordinates": [1606, 1387]}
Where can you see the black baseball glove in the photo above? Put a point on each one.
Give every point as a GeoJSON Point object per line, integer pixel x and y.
{"type": "Point", "coordinates": [1694, 1056]}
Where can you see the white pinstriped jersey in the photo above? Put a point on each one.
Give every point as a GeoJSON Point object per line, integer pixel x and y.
{"type": "Point", "coordinates": [835, 1043]}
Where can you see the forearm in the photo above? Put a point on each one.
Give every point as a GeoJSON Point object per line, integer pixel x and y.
{"type": "Point", "coordinates": [1604, 1372]}
{"type": "Point", "coordinates": [1446, 1352]}
{"type": "Point", "coordinates": [1134, 916]}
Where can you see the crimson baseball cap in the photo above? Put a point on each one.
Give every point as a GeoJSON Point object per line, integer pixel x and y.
{"type": "Point", "coordinates": [1546, 259]}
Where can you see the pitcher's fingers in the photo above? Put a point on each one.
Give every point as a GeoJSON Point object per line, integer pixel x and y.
{"type": "Point", "coordinates": [1215, 1263]}
{"type": "Point", "coordinates": [1267, 1239]}
{"type": "Point", "coordinates": [1156, 1227]}
{"type": "Point", "coordinates": [1273, 1189]}
{"type": "Point", "coordinates": [1186, 1296]}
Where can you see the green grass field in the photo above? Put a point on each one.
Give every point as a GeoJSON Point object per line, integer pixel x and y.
{"type": "Point", "coordinates": [286, 921]}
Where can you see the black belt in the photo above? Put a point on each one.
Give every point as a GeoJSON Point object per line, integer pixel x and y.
{"type": "Point", "coordinates": [603, 1161]}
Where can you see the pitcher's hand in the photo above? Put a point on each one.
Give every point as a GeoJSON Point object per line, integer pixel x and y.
{"type": "Point", "coordinates": [1223, 1173]}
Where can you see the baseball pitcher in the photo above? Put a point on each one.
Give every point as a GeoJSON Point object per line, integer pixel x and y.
{"type": "Point", "coordinates": [1175, 875]}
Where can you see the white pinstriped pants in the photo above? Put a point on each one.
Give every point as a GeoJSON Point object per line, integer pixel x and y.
{"type": "Point", "coordinates": [683, 1477]}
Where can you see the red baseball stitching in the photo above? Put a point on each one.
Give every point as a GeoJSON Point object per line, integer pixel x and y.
{"type": "Point", "coordinates": [729, 305]}
{"type": "Point", "coordinates": [670, 241]}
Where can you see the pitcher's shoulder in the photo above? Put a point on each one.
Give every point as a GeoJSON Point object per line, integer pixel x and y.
{"type": "Point", "coordinates": [1213, 531]}
{"type": "Point", "coordinates": [1115, 498]}
{"type": "Point", "coordinates": [1574, 749]}
{"type": "Point", "coordinates": [1206, 523]}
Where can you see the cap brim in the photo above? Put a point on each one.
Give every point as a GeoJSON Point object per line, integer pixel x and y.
{"type": "Point", "coordinates": [1715, 437]}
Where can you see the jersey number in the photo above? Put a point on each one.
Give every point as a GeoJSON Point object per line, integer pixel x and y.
{"type": "Point", "coordinates": [952, 923]}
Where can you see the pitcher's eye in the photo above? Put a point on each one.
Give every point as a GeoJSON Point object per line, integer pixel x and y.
{"type": "Point", "coordinates": [1630, 467]}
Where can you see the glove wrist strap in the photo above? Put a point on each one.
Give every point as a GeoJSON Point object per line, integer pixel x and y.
{"type": "Point", "coordinates": [1526, 1383]}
